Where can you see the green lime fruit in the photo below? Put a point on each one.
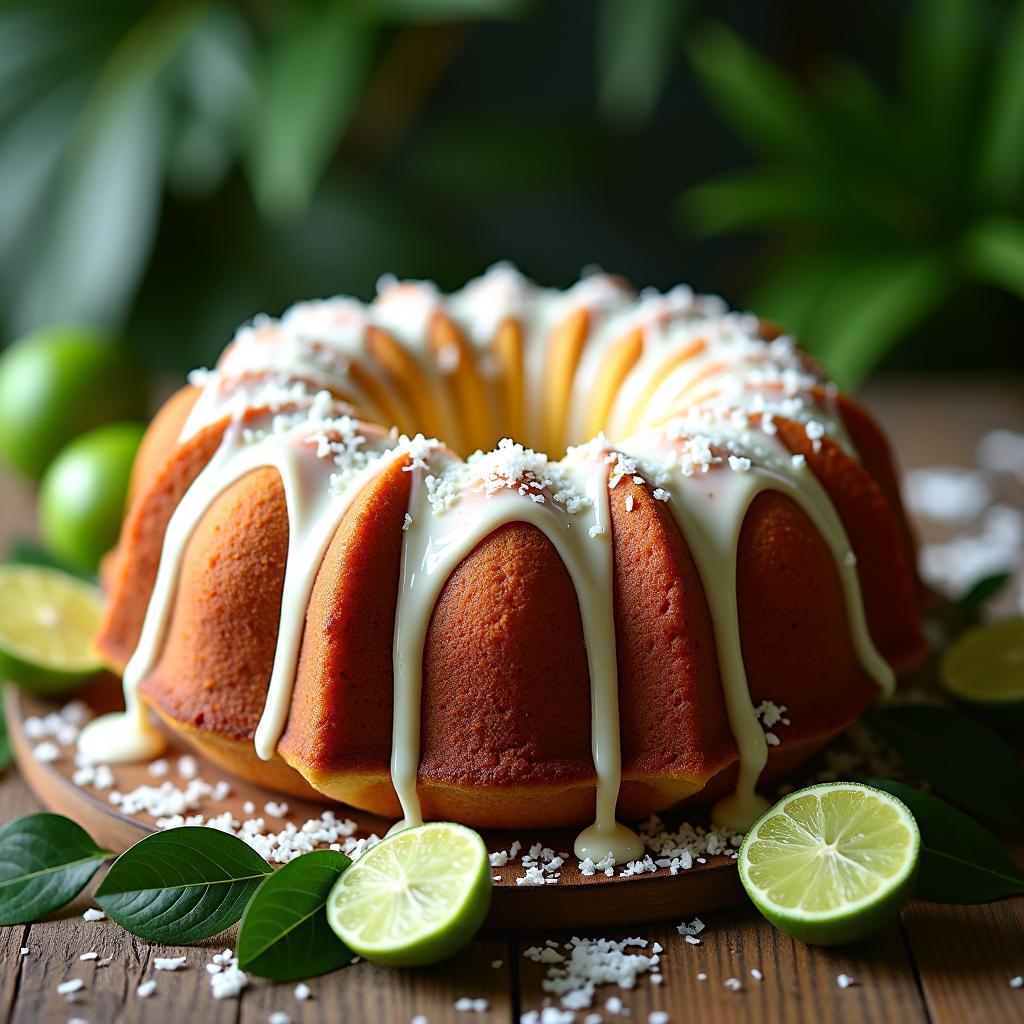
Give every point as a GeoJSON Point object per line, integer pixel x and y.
{"type": "Point", "coordinates": [831, 864]}
{"type": "Point", "coordinates": [83, 493]}
{"type": "Point", "coordinates": [57, 383]}
{"type": "Point", "coordinates": [47, 622]}
{"type": "Point", "coordinates": [985, 670]}
{"type": "Point", "coordinates": [414, 899]}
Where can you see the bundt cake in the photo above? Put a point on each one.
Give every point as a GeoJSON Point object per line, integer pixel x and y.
{"type": "Point", "coordinates": [713, 580]}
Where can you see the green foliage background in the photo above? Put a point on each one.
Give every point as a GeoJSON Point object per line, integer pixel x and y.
{"type": "Point", "coordinates": [851, 170]}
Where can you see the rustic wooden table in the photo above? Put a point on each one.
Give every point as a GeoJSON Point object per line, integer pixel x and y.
{"type": "Point", "coordinates": [940, 963]}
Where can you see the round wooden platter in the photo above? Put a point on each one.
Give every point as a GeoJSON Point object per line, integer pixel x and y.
{"type": "Point", "coordinates": [574, 901]}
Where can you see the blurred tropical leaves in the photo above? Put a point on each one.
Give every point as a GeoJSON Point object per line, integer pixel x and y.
{"type": "Point", "coordinates": [876, 209]}
{"type": "Point", "coordinates": [106, 106]}
{"type": "Point", "coordinates": [214, 158]}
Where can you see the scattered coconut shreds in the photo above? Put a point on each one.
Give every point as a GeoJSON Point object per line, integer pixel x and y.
{"type": "Point", "coordinates": [691, 930]}
{"type": "Point", "coordinates": [467, 1005]}
{"type": "Point", "coordinates": [844, 980]}
{"type": "Point", "coordinates": [1002, 451]}
{"type": "Point", "coordinates": [419, 1019]}
{"type": "Point", "coordinates": [93, 914]}
{"type": "Point", "coordinates": [1017, 982]}
{"type": "Point", "coordinates": [62, 726]}
{"type": "Point", "coordinates": [955, 565]}
{"type": "Point", "coordinates": [169, 963]}
{"type": "Point", "coordinates": [70, 987]}
{"type": "Point", "coordinates": [279, 1017]}
{"type": "Point", "coordinates": [77, 1020]}
{"type": "Point", "coordinates": [657, 1017]}
{"type": "Point", "coordinates": [146, 989]}
{"type": "Point", "coordinates": [303, 992]}
{"type": "Point", "coordinates": [947, 494]}
{"type": "Point", "coordinates": [46, 752]}
{"type": "Point", "coordinates": [553, 1015]}
{"type": "Point", "coordinates": [89, 956]}
{"type": "Point", "coordinates": [702, 976]}
{"type": "Point", "coordinates": [496, 964]}
{"type": "Point", "coordinates": [229, 982]}
{"type": "Point", "coordinates": [733, 984]}
{"type": "Point", "coordinates": [574, 978]}
{"type": "Point", "coordinates": [756, 974]}
{"type": "Point", "coordinates": [24, 950]}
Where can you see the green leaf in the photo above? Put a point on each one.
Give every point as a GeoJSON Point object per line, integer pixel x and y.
{"type": "Point", "coordinates": [963, 760]}
{"type": "Point", "coordinates": [633, 55]}
{"type": "Point", "coordinates": [284, 934]}
{"type": "Point", "coordinates": [994, 252]}
{"type": "Point", "coordinates": [107, 202]}
{"type": "Point", "coordinates": [869, 309]}
{"type": "Point", "coordinates": [313, 77]}
{"type": "Point", "coordinates": [758, 199]}
{"type": "Point", "coordinates": [942, 51]}
{"type": "Point", "coordinates": [961, 861]}
{"type": "Point", "coordinates": [982, 591]}
{"type": "Point", "coordinates": [217, 82]}
{"type": "Point", "coordinates": [442, 10]}
{"type": "Point", "coordinates": [789, 291]}
{"type": "Point", "coordinates": [182, 885]}
{"type": "Point", "coordinates": [46, 860]}
{"type": "Point", "coordinates": [1001, 146]}
{"type": "Point", "coordinates": [763, 104]}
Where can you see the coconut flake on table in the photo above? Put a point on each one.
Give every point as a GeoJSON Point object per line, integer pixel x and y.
{"type": "Point", "coordinates": [169, 963]}
{"type": "Point", "coordinates": [947, 494]}
{"type": "Point", "coordinates": [591, 963]}
{"type": "Point", "coordinates": [1002, 451]}
{"type": "Point", "coordinates": [552, 1015]}
{"type": "Point", "coordinates": [954, 566]}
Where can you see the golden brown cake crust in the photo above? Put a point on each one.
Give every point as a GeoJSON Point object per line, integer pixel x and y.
{"type": "Point", "coordinates": [505, 727]}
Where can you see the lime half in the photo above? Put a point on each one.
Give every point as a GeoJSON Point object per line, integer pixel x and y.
{"type": "Point", "coordinates": [414, 899]}
{"type": "Point", "coordinates": [831, 864]}
{"type": "Point", "coordinates": [986, 666]}
{"type": "Point", "coordinates": [47, 622]}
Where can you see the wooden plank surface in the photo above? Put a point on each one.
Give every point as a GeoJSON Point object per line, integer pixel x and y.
{"type": "Point", "coordinates": [941, 964]}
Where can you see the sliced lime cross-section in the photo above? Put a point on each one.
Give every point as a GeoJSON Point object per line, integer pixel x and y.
{"type": "Point", "coordinates": [985, 667]}
{"type": "Point", "coordinates": [833, 863]}
{"type": "Point", "coordinates": [47, 622]}
{"type": "Point", "coordinates": [414, 899]}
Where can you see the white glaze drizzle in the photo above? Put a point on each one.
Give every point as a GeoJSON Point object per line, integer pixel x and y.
{"type": "Point", "coordinates": [275, 364]}
{"type": "Point", "coordinates": [436, 542]}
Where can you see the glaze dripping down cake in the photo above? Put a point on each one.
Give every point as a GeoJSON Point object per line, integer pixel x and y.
{"type": "Point", "coordinates": [318, 595]}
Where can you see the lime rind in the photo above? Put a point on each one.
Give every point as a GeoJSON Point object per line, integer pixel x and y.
{"type": "Point", "coordinates": [842, 897]}
{"type": "Point", "coordinates": [415, 898]}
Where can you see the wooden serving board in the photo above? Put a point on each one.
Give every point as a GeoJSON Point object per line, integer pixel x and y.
{"type": "Point", "coordinates": [575, 901]}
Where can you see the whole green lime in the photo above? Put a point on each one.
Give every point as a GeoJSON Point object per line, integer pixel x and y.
{"type": "Point", "coordinates": [83, 493]}
{"type": "Point", "coordinates": [57, 383]}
